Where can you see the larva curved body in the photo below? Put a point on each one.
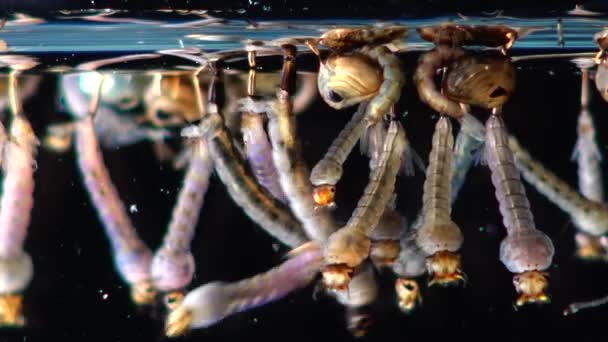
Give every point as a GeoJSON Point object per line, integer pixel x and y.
{"type": "Point", "coordinates": [439, 237]}
{"type": "Point", "coordinates": [173, 263]}
{"type": "Point", "coordinates": [525, 251]}
{"type": "Point", "coordinates": [16, 267]}
{"type": "Point", "coordinates": [393, 80]}
{"type": "Point", "coordinates": [259, 153]}
{"type": "Point", "coordinates": [468, 144]}
{"type": "Point", "coordinates": [350, 245]}
{"type": "Point", "coordinates": [588, 216]}
{"type": "Point", "coordinates": [257, 203]}
{"type": "Point", "coordinates": [214, 301]}
{"type": "Point", "coordinates": [424, 78]}
{"type": "Point", "coordinates": [341, 89]}
{"type": "Point", "coordinates": [292, 170]}
{"type": "Point", "coordinates": [131, 256]}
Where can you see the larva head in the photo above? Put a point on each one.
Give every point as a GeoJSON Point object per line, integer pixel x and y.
{"type": "Point", "coordinates": [531, 286]}
{"type": "Point", "coordinates": [143, 293]}
{"type": "Point", "coordinates": [58, 143]}
{"type": "Point", "coordinates": [173, 299]}
{"type": "Point", "coordinates": [486, 82]}
{"type": "Point", "coordinates": [10, 310]}
{"type": "Point", "coordinates": [445, 268]}
{"type": "Point", "coordinates": [384, 252]}
{"type": "Point", "coordinates": [345, 80]}
{"type": "Point", "coordinates": [178, 322]}
{"type": "Point", "coordinates": [589, 247]}
{"type": "Point", "coordinates": [336, 277]}
{"type": "Point", "coordinates": [323, 195]}
{"type": "Point", "coordinates": [408, 294]}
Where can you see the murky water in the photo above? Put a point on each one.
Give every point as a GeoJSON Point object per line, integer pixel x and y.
{"type": "Point", "coordinates": [77, 293]}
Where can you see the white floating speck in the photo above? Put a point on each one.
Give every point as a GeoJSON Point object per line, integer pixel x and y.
{"type": "Point", "coordinates": [133, 208]}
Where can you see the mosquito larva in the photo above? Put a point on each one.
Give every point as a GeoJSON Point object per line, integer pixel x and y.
{"type": "Point", "coordinates": [385, 237]}
{"type": "Point", "coordinates": [590, 217]}
{"type": "Point", "coordinates": [173, 264]}
{"type": "Point", "coordinates": [131, 255]}
{"type": "Point", "coordinates": [526, 251]}
{"type": "Point", "coordinates": [255, 201]}
{"type": "Point", "coordinates": [212, 302]}
{"type": "Point", "coordinates": [586, 151]}
{"type": "Point", "coordinates": [257, 146]}
{"type": "Point", "coordinates": [439, 237]}
{"type": "Point", "coordinates": [328, 171]}
{"type": "Point", "coordinates": [293, 172]}
{"type": "Point", "coordinates": [18, 166]}
{"type": "Point", "coordinates": [350, 245]}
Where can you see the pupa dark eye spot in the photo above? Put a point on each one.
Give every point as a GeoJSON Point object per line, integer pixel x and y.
{"type": "Point", "coordinates": [333, 96]}
{"type": "Point", "coordinates": [499, 91]}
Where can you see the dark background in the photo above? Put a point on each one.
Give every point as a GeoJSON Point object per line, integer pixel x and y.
{"type": "Point", "coordinates": [73, 267]}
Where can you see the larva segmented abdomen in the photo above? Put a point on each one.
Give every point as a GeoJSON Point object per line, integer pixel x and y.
{"type": "Point", "coordinates": [257, 203]}
{"type": "Point", "coordinates": [510, 192]}
{"type": "Point", "coordinates": [329, 169]}
{"type": "Point", "coordinates": [259, 154]}
{"type": "Point", "coordinates": [293, 172]}
{"type": "Point", "coordinates": [132, 256]}
{"type": "Point", "coordinates": [390, 89]}
{"type": "Point", "coordinates": [381, 184]}
{"type": "Point", "coordinates": [17, 188]}
{"type": "Point", "coordinates": [591, 217]}
{"type": "Point", "coordinates": [173, 264]}
{"type": "Point", "coordinates": [437, 186]}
